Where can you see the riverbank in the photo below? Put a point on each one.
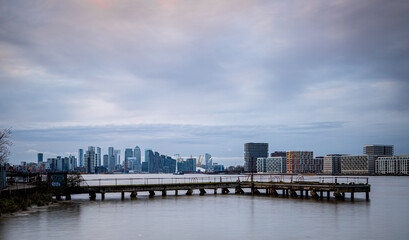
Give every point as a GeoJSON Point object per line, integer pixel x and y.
{"type": "Point", "coordinates": [11, 204]}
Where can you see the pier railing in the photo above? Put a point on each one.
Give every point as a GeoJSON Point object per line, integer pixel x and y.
{"type": "Point", "coordinates": [120, 181]}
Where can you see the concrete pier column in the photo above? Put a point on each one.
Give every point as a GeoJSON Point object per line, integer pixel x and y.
{"type": "Point", "coordinates": [176, 192]}
{"type": "Point", "coordinates": [133, 195]}
{"type": "Point", "coordinates": [273, 192]}
{"type": "Point", "coordinates": [215, 191]}
{"type": "Point", "coordinates": [202, 192]}
{"type": "Point", "coordinates": [68, 197]}
{"type": "Point", "coordinates": [283, 193]}
{"type": "Point", "coordinates": [367, 196]}
{"type": "Point", "coordinates": [328, 195]}
{"type": "Point", "coordinates": [122, 195]}
{"type": "Point", "coordinates": [321, 194]}
{"type": "Point", "coordinates": [306, 194]}
{"type": "Point", "coordinates": [343, 196]}
{"type": "Point", "coordinates": [58, 197]}
{"type": "Point", "coordinates": [352, 196]}
{"type": "Point", "coordinates": [151, 193]}
{"type": "Point", "coordinates": [302, 193]}
{"type": "Point", "coordinates": [163, 193]}
{"type": "Point", "coordinates": [189, 192]}
{"type": "Point", "coordinates": [287, 192]}
{"type": "Point", "coordinates": [102, 196]}
{"type": "Point", "coordinates": [225, 191]}
{"type": "Point", "coordinates": [92, 196]}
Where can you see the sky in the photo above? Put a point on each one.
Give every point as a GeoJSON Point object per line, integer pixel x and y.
{"type": "Point", "coordinates": [190, 77]}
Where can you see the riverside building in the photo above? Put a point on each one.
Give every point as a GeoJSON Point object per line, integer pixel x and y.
{"type": "Point", "coordinates": [374, 151]}
{"type": "Point", "coordinates": [332, 164]}
{"type": "Point", "coordinates": [299, 161]}
{"type": "Point", "coordinates": [392, 165]}
{"type": "Point", "coordinates": [271, 165]}
{"type": "Point", "coordinates": [252, 151]}
{"type": "Point", "coordinates": [354, 164]}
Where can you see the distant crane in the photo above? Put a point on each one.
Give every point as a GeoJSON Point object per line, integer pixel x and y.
{"type": "Point", "coordinates": [198, 162]}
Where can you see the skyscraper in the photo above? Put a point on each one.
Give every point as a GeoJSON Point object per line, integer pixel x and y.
{"type": "Point", "coordinates": [40, 157]}
{"type": "Point", "coordinates": [252, 151]}
{"type": "Point", "coordinates": [98, 157]}
{"type": "Point", "coordinates": [128, 154]}
{"type": "Point", "coordinates": [137, 155]}
{"type": "Point", "coordinates": [208, 162]}
{"type": "Point", "coordinates": [81, 157]}
{"type": "Point", "coordinates": [90, 160]}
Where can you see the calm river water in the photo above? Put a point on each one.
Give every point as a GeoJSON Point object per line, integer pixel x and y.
{"type": "Point", "coordinates": [385, 216]}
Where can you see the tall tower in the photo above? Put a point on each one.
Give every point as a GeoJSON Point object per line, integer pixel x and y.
{"type": "Point", "coordinates": [137, 155]}
{"type": "Point", "coordinates": [90, 160]}
{"type": "Point", "coordinates": [252, 151]}
{"type": "Point", "coordinates": [81, 157]}
{"type": "Point", "coordinates": [40, 157]}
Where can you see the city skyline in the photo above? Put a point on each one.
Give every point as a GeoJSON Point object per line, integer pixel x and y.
{"type": "Point", "coordinates": [186, 77]}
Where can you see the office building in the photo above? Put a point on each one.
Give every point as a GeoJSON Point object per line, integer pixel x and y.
{"type": "Point", "coordinates": [81, 157]}
{"type": "Point", "coordinates": [40, 157]}
{"type": "Point", "coordinates": [332, 164]}
{"type": "Point", "coordinates": [300, 162]}
{"type": "Point", "coordinates": [374, 151]}
{"type": "Point", "coordinates": [208, 161]}
{"type": "Point", "coordinates": [137, 155]}
{"type": "Point", "coordinates": [252, 151]}
{"type": "Point", "coordinates": [354, 164]}
{"type": "Point", "coordinates": [98, 163]}
{"type": "Point", "coordinates": [105, 161]}
{"type": "Point", "coordinates": [392, 165]}
{"type": "Point", "coordinates": [90, 160]}
{"type": "Point", "coordinates": [271, 165]}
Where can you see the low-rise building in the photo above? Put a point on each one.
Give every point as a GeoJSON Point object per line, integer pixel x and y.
{"type": "Point", "coordinates": [332, 164]}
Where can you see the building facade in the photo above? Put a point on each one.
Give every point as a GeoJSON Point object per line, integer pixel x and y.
{"type": "Point", "coordinates": [392, 165]}
{"type": "Point", "coordinates": [299, 161]}
{"type": "Point", "coordinates": [271, 165]}
{"type": "Point", "coordinates": [354, 164]}
{"type": "Point", "coordinates": [374, 151]}
{"type": "Point", "coordinates": [252, 151]}
{"type": "Point", "coordinates": [332, 164]}
{"type": "Point", "coordinates": [81, 157]}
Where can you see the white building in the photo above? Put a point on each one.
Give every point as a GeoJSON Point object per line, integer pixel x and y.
{"type": "Point", "coordinates": [271, 165]}
{"type": "Point", "coordinates": [396, 165]}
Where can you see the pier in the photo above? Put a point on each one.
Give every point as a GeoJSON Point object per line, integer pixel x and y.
{"type": "Point", "coordinates": [338, 188]}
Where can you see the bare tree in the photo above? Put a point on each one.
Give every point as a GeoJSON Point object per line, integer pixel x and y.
{"type": "Point", "coordinates": [5, 143]}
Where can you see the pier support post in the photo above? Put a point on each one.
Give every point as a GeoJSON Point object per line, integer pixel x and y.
{"type": "Point", "coordinates": [283, 193]}
{"type": "Point", "coordinates": [367, 196]}
{"type": "Point", "coordinates": [302, 193]}
{"type": "Point", "coordinates": [293, 193]}
{"type": "Point", "coordinates": [287, 193]}
{"type": "Point", "coordinates": [328, 195]}
{"type": "Point", "coordinates": [176, 192]}
{"type": "Point", "coordinates": [163, 193]}
{"type": "Point", "coordinates": [343, 195]}
{"type": "Point", "coordinates": [92, 196]}
{"type": "Point", "coordinates": [67, 197]}
{"type": "Point", "coordinates": [306, 194]}
{"type": "Point", "coordinates": [215, 191]}
{"type": "Point", "coordinates": [352, 196]}
{"type": "Point", "coordinates": [151, 193]}
{"type": "Point", "coordinates": [102, 196]}
{"type": "Point", "coordinates": [225, 191]}
{"type": "Point", "coordinates": [273, 192]}
{"type": "Point", "coordinates": [239, 190]}
{"type": "Point", "coordinates": [122, 195]}
{"type": "Point", "coordinates": [58, 197]}
{"type": "Point", "coordinates": [314, 194]}
{"type": "Point", "coordinates": [321, 194]}
{"type": "Point", "coordinates": [202, 192]}
{"type": "Point", "coordinates": [133, 195]}
{"type": "Point", "coordinates": [189, 192]}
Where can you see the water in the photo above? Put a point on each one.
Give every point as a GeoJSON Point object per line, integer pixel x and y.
{"type": "Point", "coordinates": [385, 216]}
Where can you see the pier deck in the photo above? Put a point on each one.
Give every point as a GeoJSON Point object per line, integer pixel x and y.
{"type": "Point", "coordinates": [283, 185]}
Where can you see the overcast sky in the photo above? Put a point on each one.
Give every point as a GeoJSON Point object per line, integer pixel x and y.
{"type": "Point", "coordinates": [191, 77]}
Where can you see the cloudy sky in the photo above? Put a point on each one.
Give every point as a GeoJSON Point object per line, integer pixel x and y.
{"type": "Point", "coordinates": [191, 77]}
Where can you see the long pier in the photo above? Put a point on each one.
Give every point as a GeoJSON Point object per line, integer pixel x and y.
{"type": "Point", "coordinates": [337, 188]}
